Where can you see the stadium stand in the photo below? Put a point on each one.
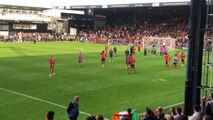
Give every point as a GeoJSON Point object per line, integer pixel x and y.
{"type": "Point", "coordinates": [25, 15]}
{"type": "Point", "coordinates": [118, 29]}
{"type": "Point", "coordinates": [130, 33]}
{"type": "Point", "coordinates": [20, 23]}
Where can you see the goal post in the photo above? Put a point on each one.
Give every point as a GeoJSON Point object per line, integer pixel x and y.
{"type": "Point", "coordinates": [159, 41]}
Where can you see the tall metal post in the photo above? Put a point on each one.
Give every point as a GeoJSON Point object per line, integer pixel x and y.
{"type": "Point", "coordinates": [195, 52]}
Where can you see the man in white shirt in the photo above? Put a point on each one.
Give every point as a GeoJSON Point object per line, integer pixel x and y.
{"type": "Point", "coordinates": [197, 114]}
{"type": "Point", "coordinates": [209, 106]}
{"type": "Point", "coordinates": [178, 113]}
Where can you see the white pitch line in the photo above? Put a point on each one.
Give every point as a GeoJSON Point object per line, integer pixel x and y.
{"type": "Point", "coordinates": [173, 105]}
{"type": "Point", "coordinates": [180, 103]}
{"type": "Point", "coordinates": [38, 99]}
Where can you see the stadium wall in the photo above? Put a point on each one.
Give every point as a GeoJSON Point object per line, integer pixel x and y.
{"type": "Point", "coordinates": [42, 27]}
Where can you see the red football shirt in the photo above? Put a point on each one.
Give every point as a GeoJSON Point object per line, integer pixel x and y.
{"type": "Point", "coordinates": [167, 58]}
{"type": "Point", "coordinates": [127, 57]}
{"type": "Point", "coordinates": [103, 55]}
{"type": "Point", "coordinates": [139, 47]}
{"type": "Point", "coordinates": [52, 61]}
{"type": "Point", "coordinates": [132, 60]}
{"type": "Point", "coordinates": [182, 56]}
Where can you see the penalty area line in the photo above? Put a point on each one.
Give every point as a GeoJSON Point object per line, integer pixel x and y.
{"type": "Point", "coordinates": [180, 103]}
{"type": "Point", "coordinates": [41, 100]}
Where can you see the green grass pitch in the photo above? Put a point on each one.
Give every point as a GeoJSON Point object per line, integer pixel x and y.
{"type": "Point", "coordinates": [24, 69]}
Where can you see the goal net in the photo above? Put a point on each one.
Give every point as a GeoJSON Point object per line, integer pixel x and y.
{"type": "Point", "coordinates": [159, 41]}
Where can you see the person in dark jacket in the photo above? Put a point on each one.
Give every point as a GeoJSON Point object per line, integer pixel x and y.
{"type": "Point", "coordinates": [73, 109]}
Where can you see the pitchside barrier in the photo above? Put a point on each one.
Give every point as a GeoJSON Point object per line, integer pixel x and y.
{"type": "Point", "coordinates": [146, 41]}
{"type": "Point", "coordinates": [159, 41]}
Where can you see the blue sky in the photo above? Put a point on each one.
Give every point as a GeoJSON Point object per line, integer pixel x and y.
{"type": "Point", "coordinates": [50, 3]}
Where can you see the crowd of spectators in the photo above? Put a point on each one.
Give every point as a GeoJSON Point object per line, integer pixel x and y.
{"type": "Point", "coordinates": [177, 113]}
{"type": "Point", "coordinates": [23, 37]}
{"type": "Point", "coordinates": [125, 32]}
{"type": "Point", "coordinates": [131, 33]}
{"type": "Point", "coordinates": [128, 32]}
{"type": "Point", "coordinates": [158, 114]}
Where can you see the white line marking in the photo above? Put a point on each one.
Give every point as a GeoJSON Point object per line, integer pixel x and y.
{"type": "Point", "coordinates": [162, 80]}
{"type": "Point", "coordinates": [173, 105]}
{"type": "Point", "coordinates": [154, 80]}
{"type": "Point", "coordinates": [38, 99]}
{"type": "Point", "coordinates": [168, 106]}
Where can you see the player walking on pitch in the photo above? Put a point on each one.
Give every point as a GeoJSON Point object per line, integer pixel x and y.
{"type": "Point", "coordinates": [52, 65]}
{"type": "Point", "coordinates": [111, 55]}
{"type": "Point", "coordinates": [139, 48]}
{"type": "Point", "coordinates": [127, 61]}
{"type": "Point", "coordinates": [80, 58]}
{"type": "Point", "coordinates": [115, 51]}
{"type": "Point", "coordinates": [167, 59]}
{"type": "Point", "coordinates": [132, 63]}
{"type": "Point", "coordinates": [103, 58]}
{"type": "Point", "coordinates": [182, 59]}
{"type": "Point", "coordinates": [175, 62]}
{"type": "Point", "coordinates": [106, 47]}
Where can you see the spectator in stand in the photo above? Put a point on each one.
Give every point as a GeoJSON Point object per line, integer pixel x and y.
{"type": "Point", "coordinates": [197, 114]}
{"type": "Point", "coordinates": [50, 115]}
{"type": "Point", "coordinates": [209, 106]}
{"type": "Point", "coordinates": [91, 118]}
{"type": "Point", "coordinates": [172, 111]}
{"type": "Point", "coordinates": [129, 115]}
{"type": "Point", "coordinates": [169, 117]}
{"type": "Point", "coordinates": [100, 117]}
{"type": "Point", "coordinates": [149, 115]}
{"type": "Point", "coordinates": [178, 112]}
{"type": "Point", "coordinates": [183, 117]}
{"type": "Point", "coordinates": [159, 113]}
